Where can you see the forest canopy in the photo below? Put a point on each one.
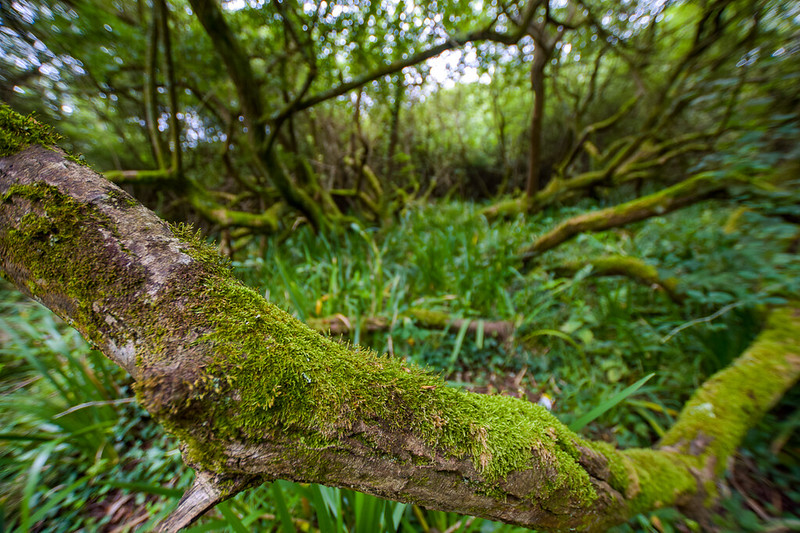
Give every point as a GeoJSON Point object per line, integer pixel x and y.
{"type": "Point", "coordinates": [589, 206]}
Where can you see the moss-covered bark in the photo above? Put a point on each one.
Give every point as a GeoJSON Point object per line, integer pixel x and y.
{"type": "Point", "coordinates": [631, 267]}
{"type": "Point", "coordinates": [424, 318]}
{"type": "Point", "coordinates": [687, 192]}
{"type": "Point", "coordinates": [253, 394]}
{"type": "Point", "coordinates": [714, 421]}
{"type": "Point", "coordinates": [250, 391]}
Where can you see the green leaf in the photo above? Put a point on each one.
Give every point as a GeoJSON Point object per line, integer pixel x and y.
{"type": "Point", "coordinates": [457, 347]}
{"type": "Point", "coordinates": [283, 512]}
{"type": "Point", "coordinates": [605, 405]}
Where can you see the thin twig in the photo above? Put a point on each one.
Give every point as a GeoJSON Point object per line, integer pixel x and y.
{"type": "Point", "coordinates": [699, 321]}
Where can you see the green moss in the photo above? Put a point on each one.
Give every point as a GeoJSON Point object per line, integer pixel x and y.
{"type": "Point", "coordinates": [507, 208]}
{"type": "Point", "coordinates": [18, 132]}
{"type": "Point", "coordinates": [57, 242]}
{"type": "Point", "coordinates": [662, 477]}
{"type": "Point", "coordinates": [45, 236]}
{"type": "Point", "coordinates": [121, 198]}
{"type": "Point", "coordinates": [433, 319]}
{"type": "Point", "coordinates": [200, 250]}
{"type": "Point", "coordinates": [716, 418]}
{"type": "Point", "coordinates": [630, 266]}
{"type": "Point", "coordinates": [622, 473]}
{"type": "Point", "coordinates": [274, 378]}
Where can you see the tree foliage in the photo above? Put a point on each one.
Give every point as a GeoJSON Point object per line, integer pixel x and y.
{"type": "Point", "coordinates": [335, 109]}
{"type": "Point", "coordinates": [324, 143]}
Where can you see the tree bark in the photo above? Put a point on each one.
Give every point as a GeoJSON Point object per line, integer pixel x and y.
{"type": "Point", "coordinates": [540, 57]}
{"type": "Point", "coordinates": [254, 395]}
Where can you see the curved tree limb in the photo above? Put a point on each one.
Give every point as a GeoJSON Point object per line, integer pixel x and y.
{"type": "Point", "coordinates": [628, 159]}
{"type": "Point", "coordinates": [254, 394]}
{"type": "Point", "coordinates": [631, 267]}
{"type": "Point", "coordinates": [483, 34]}
{"type": "Point", "coordinates": [594, 128]}
{"type": "Point", "coordinates": [684, 193]}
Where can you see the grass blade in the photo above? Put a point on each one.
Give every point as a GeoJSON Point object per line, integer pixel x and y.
{"type": "Point", "coordinates": [231, 518]}
{"type": "Point", "coordinates": [34, 474]}
{"type": "Point", "coordinates": [56, 499]}
{"type": "Point", "coordinates": [608, 404]}
{"type": "Point", "coordinates": [283, 512]}
{"type": "Point", "coordinates": [324, 518]}
{"type": "Point", "coordinates": [457, 347]}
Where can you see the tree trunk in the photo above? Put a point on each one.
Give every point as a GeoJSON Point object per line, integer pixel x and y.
{"type": "Point", "coordinates": [540, 57]}
{"type": "Point", "coordinates": [394, 128]}
{"type": "Point", "coordinates": [255, 395]}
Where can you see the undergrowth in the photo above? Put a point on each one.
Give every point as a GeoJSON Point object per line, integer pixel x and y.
{"type": "Point", "coordinates": [77, 453]}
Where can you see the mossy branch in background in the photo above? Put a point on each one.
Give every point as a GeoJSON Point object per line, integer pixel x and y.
{"type": "Point", "coordinates": [631, 267]}
{"type": "Point", "coordinates": [714, 421]}
{"type": "Point", "coordinates": [685, 193]}
{"type": "Point", "coordinates": [338, 324]}
{"type": "Point", "coordinates": [125, 177]}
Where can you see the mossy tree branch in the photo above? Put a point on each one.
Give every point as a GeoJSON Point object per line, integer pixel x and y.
{"type": "Point", "coordinates": [254, 395]}
{"type": "Point", "coordinates": [640, 155]}
{"type": "Point", "coordinates": [631, 267]}
{"type": "Point", "coordinates": [632, 159]}
{"type": "Point", "coordinates": [692, 190]}
{"type": "Point", "coordinates": [339, 324]}
{"type": "Point", "coordinates": [128, 177]}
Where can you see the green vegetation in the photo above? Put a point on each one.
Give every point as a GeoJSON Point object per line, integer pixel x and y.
{"type": "Point", "coordinates": [586, 214]}
{"type": "Point", "coordinates": [623, 327]}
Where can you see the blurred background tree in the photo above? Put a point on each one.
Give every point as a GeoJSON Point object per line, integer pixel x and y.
{"type": "Point", "coordinates": [331, 111]}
